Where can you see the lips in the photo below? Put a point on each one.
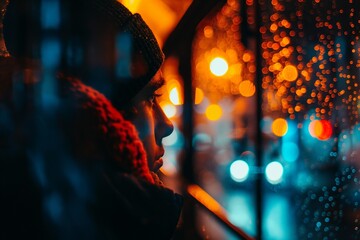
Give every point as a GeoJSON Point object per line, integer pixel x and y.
{"type": "Point", "coordinates": [157, 165]}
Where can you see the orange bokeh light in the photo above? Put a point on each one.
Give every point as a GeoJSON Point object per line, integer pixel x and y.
{"type": "Point", "coordinates": [279, 127]}
{"type": "Point", "coordinates": [199, 96]}
{"type": "Point", "coordinates": [289, 73]}
{"type": "Point", "coordinates": [320, 129]}
{"type": "Point", "coordinates": [247, 88]}
{"type": "Point", "coordinates": [213, 112]}
{"type": "Point", "coordinates": [246, 57]}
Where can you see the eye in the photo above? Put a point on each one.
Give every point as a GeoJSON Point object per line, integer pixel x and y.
{"type": "Point", "coordinates": [152, 98]}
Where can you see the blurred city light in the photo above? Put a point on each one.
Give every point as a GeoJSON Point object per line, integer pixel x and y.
{"type": "Point", "coordinates": [50, 14]}
{"type": "Point", "coordinates": [266, 123]}
{"type": "Point", "coordinates": [213, 112]}
{"type": "Point", "coordinates": [247, 88]}
{"type": "Point", "coordinates": [199, 96]}
{"type": "Point", "coordinates": [290, 151]}
{"type": "Point", "coordinates": [279, 127]}
{"type": "Point", "coordinates": [201, 107]}
{"type": "Point", "coordinates": [174, 96]}
{"type": "Point", "coordinates": [50, 52]}
{"type": "Point", "coordinates": [289, 73]}
{"type": "Point", "coordinates": [160, 26]}
{"type": "Point", "coordinates": [171, 139]}
{"type": "Point", "coordinates": [208, 32]}
{"type": "Point", "coordinates": [170, 165]}
{"type": "Point", "coordinates": [320, 129]}
{"type": "Point", "coordinates": [202, 141]}
{"type": "Point", "coordinates": [246, 57]}
{"type": "Point", "coordinates": [292, 132]}
{"type": "Point", "coordinates": [319, 149]}
{"type": "Point", "coordinates": [239, 170]}
{"type": "Point", "coordinates": [168, 108]}
{"type": "Point", "coordinates": [219, 66]}
{"type": "Point", "coordinates": [132, 5]}
{"type": "Point", "coordinates": [274, 172]}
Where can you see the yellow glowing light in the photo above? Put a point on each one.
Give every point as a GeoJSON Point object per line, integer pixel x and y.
{"type": "Point", "coordinates": [285, 41]}
{"type": "Point", "coordinates": [279, 127]}
{"type": "Point", "coordinates": [290, 73]}
{"type": "Point", "coordinates": [213, 112]}
{"type": "Point", "coordinates": [132, 5]}
{"type": "Point", "coordinates": [277, 66]}
{"type": "Point", "coordinates": [174, 96]}
{"type": "Point", "coordinates": [168, 108]}
{"type": "Point", "coordinates": [247, 88]}
{"type": "Point", "coordinates": [219, 66]}
{"type": "Point", "coordinates": [199, 96]}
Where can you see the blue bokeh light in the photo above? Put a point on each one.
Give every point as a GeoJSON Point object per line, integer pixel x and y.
{"type": "Point", "coordinates": [50, 14]}
{"type": "Point", "coordinates": [239, 170]}
{"type": "Point", "coordinates": [50, 53]}
{"type": "Point", "coordinates": [290, 151]}
{"type": "Point", "coordinates": [274, 172]}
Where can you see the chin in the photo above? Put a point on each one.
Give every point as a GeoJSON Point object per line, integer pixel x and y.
{"type": "Point", "coordinates": [156, 178]}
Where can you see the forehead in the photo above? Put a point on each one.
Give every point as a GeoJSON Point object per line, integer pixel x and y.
{"type": "Point", "coordinates": [156, 82]}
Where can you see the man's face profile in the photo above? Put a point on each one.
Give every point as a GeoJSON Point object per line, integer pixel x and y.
{"type": "Point", "coordinates": [151, 122]}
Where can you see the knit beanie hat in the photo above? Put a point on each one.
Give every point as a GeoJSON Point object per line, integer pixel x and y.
{"type": "Point", "coordinates": [146, 55]}
{"type": "Point", "coordinates": [102, 42]}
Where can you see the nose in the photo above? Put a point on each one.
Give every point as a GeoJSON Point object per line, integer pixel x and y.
{"type": "Point", "coordinates": [164, 126]}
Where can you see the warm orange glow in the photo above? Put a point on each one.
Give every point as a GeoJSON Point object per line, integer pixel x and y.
{"type": "Point", "coordinates": [277, 66]}
{"type": "Point", "coordinates": [289, 73]}
{"type": "Point", "coordinates": [205, 199]}
{"type": "Point", "coordinates": [315, 128]}
{"type": "Point", "coordinates": [273, 27]}
{"type": "Point", "coordinates": [246, 57]}
{"type": "Point", "coordinates": [285, 41]}
{"type": "Point", "coordinates": [132, 5]}
{"type": "Point", "coordinates": [168, 108]}
{"type": "Point", "coordinates": [247, 88]}
{"type": "Point", "coordinates": [161, 26]}
{"type": "Point", "coordinates": [174, 89]}
{"type": "Point", "coordinates": [219, 66]}
{"type": "Point", "coordinates": [208, 32]}
{"type": "Point", "coordinates": [213, 112]}
{"type": "Point", "coordinates": [279, 127]}
{"type": "Point", "coordinates": [320, 129]}
{"type": "Point", "coordinates": [199, 96]}
{"type": "Point", "coordinates": [327, 130]}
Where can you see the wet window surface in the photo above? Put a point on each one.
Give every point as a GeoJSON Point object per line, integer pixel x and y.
{"type": "Point", "coordinates": [306, 75]}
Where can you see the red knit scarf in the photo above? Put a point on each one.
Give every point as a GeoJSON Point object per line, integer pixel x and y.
{"type": "Point", "coordinates": [119, 134]}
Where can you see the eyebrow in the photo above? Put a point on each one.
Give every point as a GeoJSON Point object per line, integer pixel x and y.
{"type": "Point", "coordinates": [155, 85]}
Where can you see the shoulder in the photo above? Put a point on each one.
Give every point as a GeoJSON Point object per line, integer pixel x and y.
{"type": "Point", "coordinates": [135, 209]}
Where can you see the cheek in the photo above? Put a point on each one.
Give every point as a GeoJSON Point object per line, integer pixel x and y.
{"type": "Point", "coordinates": [144, 124]}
